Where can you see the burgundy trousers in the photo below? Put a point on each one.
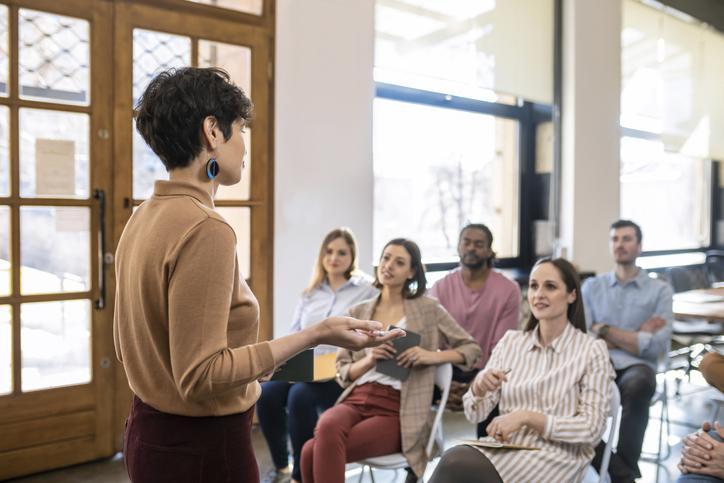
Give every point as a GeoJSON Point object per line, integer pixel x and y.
{"type": "Point", "coordinates": [160, 447]}
{"type": "Point", "coordinates": [365, 424]}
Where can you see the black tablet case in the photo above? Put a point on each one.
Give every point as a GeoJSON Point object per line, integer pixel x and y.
{"type": "Point", "coordinates": [390, 367]}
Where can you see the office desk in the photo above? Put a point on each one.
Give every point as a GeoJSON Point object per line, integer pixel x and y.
{"type": "Point", "coordinates": [686, 308]}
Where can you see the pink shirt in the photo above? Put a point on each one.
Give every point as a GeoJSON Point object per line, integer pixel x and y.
{"type": "Point", "coordinates": [486, 314]}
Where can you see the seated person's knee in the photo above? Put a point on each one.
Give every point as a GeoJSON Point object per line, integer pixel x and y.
{"type": "Point", "coordinates": [640, 385]}
{"type": "Point", "coordinates": [459, 457]}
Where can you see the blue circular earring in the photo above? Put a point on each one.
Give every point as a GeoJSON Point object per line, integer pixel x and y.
{"type": "Point", "coordinates": [212, 168]}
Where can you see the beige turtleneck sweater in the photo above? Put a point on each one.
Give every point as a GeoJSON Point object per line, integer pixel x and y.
{"type": "Point", "coordinates": [186, 323]}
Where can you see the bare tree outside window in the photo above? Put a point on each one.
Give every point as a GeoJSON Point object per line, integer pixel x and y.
{"type": "Point", "coordinates": [438, 169]}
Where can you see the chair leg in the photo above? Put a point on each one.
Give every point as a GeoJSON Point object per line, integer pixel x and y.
{"type": "Point", "coordinates": [361, 474]}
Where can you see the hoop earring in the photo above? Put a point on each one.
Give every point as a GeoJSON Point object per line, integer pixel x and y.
{"type": "Point", "coordinates": [212, 168]}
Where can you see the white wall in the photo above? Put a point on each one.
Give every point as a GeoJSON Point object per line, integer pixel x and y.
{"type": "Point", "coordinates": [323, 137]}
{"type": "Point", "coordinates": [591, 136]}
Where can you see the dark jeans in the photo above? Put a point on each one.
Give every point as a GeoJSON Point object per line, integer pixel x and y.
{"type": "Point", "coordinates": [166, 448]}
{"type": "Point", "coordinates": [637, 385]}
{"type": "Point", "coordinates": [291, 410]}
{"type": "Point", "coordinates": [463, 464]}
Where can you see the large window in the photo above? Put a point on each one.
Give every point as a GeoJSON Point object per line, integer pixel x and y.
{"type": "Point", "coordinates": [438, 169]}
{"type": "Point", "coordinates": [669, 194]}
{"type": "Point", "coordinates": [454, 125]}
{"type": "Point", "coordinates": [672, 108]}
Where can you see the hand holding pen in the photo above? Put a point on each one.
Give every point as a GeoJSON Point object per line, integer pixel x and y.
{"type": "Point", "coordinates": [489, 380]}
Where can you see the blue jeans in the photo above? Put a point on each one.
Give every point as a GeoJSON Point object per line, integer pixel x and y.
{"type": "Point", "coordinates": [695, 478]}
{"type": "Point", "coordinates": [291, 410]}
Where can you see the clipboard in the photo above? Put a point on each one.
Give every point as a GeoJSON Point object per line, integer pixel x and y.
{"type": "Point", "coordinates": [492, 443]}
{"type": "Point", "coordinates": [390, 367]}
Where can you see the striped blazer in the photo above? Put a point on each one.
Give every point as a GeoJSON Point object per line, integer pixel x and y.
{"type": "Point", "coordinates": [570, 382]}
{"type": "Point", "coordinates": [437, 329]}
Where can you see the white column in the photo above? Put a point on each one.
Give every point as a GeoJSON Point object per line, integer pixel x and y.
{"type": "Point", "coordinates": [591, 136]}
{"type": "Point", "coordinates": [323, 137]}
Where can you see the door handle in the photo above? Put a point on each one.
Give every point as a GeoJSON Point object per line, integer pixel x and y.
{"type": "Point", "coordinates": [100, 302]}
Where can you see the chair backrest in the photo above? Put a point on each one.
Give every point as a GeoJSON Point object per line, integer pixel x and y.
{"type": "Point", "coordinates": [613, 408]}
{"type": "Point", "coordinates": [715, 266]}
{"type": "Point", "coordinates": [688, 278]}
{"type": "Point", "coordinates": [443, 378]}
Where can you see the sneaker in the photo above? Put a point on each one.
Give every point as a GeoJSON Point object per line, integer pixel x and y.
{"type": "Point", "coordinates": [278, 475]}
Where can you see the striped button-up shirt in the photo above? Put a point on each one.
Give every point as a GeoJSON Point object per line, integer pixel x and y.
{"type": "Point", "coordinates": [569, 381]}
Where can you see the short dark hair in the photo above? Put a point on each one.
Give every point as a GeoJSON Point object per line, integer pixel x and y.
{"type": "Point", "coordinates": [576, 314]}
{"type": "Point", "coordinates": [486, 231]}
{"type": "Point", "coordinates": [171, 111]}
{"type": "Point", "coordinates": [416, 286]}
{"type": "Point", "coordinates": [628, 223]}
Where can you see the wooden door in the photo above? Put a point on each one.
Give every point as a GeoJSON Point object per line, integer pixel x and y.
{"type": "Point", "coordinates": [56, 351]}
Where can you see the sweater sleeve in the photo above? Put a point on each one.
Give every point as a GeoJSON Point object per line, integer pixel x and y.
{"type": "Point", "coordinates": [201, 284]}
{"type": "Point", "coordinates": [478, 408]}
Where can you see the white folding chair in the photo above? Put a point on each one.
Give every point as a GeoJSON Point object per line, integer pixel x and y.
{"type": "Point", "coordinates": [614, 407]}
{"type": "Point", "coordinates": [397, 461]}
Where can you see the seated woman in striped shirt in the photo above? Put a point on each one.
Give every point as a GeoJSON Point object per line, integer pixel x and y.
{"type": "Point", "coordinates": [552, 383]}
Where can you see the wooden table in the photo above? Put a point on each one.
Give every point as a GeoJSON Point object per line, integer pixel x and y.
{"type": "Point", "coordinates": [713, 311]}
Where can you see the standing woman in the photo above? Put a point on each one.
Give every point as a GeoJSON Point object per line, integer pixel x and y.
{"type": "Point", "coordinates": [552, 383]}
{"type": "Point", "coordinates": [185, 322]}
{"type": "Point", "coordinates": [290, 410]}
{"type": "Point", "coordinates": [377, 414]}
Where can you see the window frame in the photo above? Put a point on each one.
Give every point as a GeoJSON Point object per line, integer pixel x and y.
{"type": "Point", "coordinates": [715, 198]}
{"type": "Point", "coordinates": [528, 115]}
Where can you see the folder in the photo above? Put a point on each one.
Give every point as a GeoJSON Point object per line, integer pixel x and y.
{"type": "Point", "coordinates": [306, 367]}
{"type": "Point", "coordinates": [390, 367]}
{"type": "Point", "coordinates": [492, 443]}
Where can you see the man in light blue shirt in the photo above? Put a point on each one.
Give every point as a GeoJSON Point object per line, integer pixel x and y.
{"type": "Point", "coordinates": [633, 314]}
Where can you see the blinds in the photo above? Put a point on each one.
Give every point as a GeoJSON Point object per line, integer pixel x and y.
{"type": "Point", "coordinates": [672, 70]}
{"type": "Point", "coordinates": [471, 48]}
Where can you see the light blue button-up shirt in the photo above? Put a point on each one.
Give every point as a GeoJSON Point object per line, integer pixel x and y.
{"type": "Point", "coordinates": [627, 306]}
{"type": "Point", "coordinates": [324, 302]}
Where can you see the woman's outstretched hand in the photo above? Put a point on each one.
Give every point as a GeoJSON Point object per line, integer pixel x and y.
{"type": "Point", "coordinates": [353, 334]}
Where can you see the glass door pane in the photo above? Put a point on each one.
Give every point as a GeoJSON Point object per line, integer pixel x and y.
{"type": "Point", "coordinates": [54, 154]}
{"type": "Point", "coordinates": [4, 151]}
{"type": "Point", "coordinates": [54, 58]}
{"type": "Point", "coordinates": [55, 249]}
{"type": "Point", "coordinates": [153, 52]}
{"type": "Point", "coordinates": [4, 51]}
{"type": "Point", "coordinates": [6, 350]}
{"type": "Point", "coordinates": [240, 221]}
{"type": "Point", "coordinates": [5, 274]}
{"type": "Point", "coordinates": [56, 344]}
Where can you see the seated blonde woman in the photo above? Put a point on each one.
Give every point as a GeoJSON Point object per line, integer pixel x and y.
{"type": "Point", "coordinates": [552, 383]}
